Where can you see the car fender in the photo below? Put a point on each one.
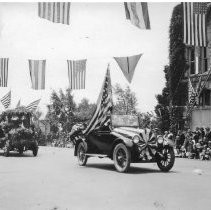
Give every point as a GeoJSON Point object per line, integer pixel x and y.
{"type": "Point", "coordinates": [77, 143]}
{"type": "Point", "coordinates": [127, 141]}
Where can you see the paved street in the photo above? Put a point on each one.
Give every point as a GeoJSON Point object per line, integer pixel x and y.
{"type": "Point", "coordinates": [53, 180]}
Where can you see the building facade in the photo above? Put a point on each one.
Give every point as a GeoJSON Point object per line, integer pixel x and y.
{"type": "Point", "coordinates": [199, 62]}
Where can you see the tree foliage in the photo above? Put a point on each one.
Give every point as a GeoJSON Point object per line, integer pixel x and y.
{"type": "Point", "coordinates": [126, 102]}
{"type": "Point", "coordinates": [85, 110]}
{"type": "Point", "coordinates": [174, 95]}
{"type": "Point", "coordinates": [61, 111]}
{"type": "Point", "coordinates": [148, 120]}
{"type": "Point", "coordinates": [178, 66]}
{"type": "Point", "coordinates": [162, 109]}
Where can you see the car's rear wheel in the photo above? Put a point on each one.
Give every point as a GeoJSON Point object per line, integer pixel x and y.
{"type": "Point", "coordinates": [166, 162]}
{"type": "Point", "coordinates": [122, 158]}
{"type": "Point", "coordinates": [81, 154]}
{"type": "Point", "coordinates": [20, 150]}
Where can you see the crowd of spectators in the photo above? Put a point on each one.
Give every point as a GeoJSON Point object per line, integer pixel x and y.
{"type": "Point", "coordinates": [194, 144]}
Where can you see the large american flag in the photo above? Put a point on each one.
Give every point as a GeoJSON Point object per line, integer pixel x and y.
{"type": "Point", "coordinates": [77, 73]}
{"type": "Point", "coordinates": [57, 12]}
{"type": "Point", "coordinates": [195, 23]}
{"type": "Point", "coordinates": [33, 106]}
{"type": "Point", "coordinates": [6, 100]}
{"type": "Point", "coordinates": [102, 115]}
{"type": "Point", "coordinates": [3, 71]}
{"type": "Point", "coordinates": [37, 73]}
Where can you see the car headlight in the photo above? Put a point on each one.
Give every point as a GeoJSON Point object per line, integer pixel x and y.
{"type": "Point", "coordinates": [160, 139]}
{"type": "Point", "coordinates": [136, 139]}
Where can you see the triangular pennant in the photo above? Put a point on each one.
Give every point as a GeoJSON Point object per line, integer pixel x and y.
{"type": "Point", "coordinates": [128, 65]}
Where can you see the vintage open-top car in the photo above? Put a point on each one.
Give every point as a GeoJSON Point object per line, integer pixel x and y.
{"type": "Point", "coordinates": [125, 143]}
{"type": "Point", "coordinates": [18, 131]}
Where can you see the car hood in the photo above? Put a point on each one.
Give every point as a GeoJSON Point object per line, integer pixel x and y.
{"type": "Point", "coordinates": [130, 132]}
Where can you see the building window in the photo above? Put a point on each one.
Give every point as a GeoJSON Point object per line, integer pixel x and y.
{"type": "Point", "coordinates": [192, 60]}
{"type": "Point", "coordinates": [205, 98]}
{"type": "Point", "coordinates": [204, 60]}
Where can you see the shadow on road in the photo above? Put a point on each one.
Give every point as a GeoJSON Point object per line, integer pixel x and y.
{"type": "Point", "coordinates": [132, 170]}
{"type": "Point", "coordinates": [16, 154]}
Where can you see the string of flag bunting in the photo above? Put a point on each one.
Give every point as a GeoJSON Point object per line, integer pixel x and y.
{"type": "Point", "coordinates": [59, 12]}
{"type": "Point", "coordinates": [76, 71]}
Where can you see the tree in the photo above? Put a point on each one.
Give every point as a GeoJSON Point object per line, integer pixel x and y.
{"type": "Point", "coordinates": [85, 110]}
{"type": "Point", "coordinates": [147, 120]}
{"type": "Point", "coordinates": [126, 100]}
{"type": "Point", "coordinates": [162, 109]}
{"type": "Point", "coordinates": [61, 111]}
{"type": "Point", "coordinates": [171, 101]}
{"type": "Point", "coordinates": [177, 66]}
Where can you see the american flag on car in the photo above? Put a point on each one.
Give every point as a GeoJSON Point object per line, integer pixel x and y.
{"type": "Point", "coordinates": [102, 115]}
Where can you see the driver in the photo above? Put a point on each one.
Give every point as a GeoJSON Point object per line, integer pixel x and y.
{"type": "Point", "coordinates": [76, 129]}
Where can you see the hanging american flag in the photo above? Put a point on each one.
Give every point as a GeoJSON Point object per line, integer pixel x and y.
{"type": "Point", "coordinates": [37, 73]}
{"type": "Point", "coordinates": [57, 12]}
{"type": "Point", "coordinates": [3, 71]}
{"type": "Point", "coordinates": [191, 98]}
{"type": "Point", "coordinates": [33, 106]}
{"type": "Point", "coordinates": [195, 23]}
{"type": "Point", "coordinates": [137, 13]}
{"type": "Point", "coordinates": [6, 100]}
{"type": "Point", "coordinates": [102, 115]}
{"type": "Point", "coordinates": [76, 73]}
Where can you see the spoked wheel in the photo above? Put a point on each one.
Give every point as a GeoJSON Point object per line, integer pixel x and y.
{"type": "Point", "coordinates": [122, 158]}
{"type": "Point", "coordinates": [166, 162]}
{"type": "Point", "coordinates": [35, 151]}
{"type": "Point", "coordinates": [81, 154]}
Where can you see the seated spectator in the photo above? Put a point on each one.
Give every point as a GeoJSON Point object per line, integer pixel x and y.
{"type": "Point", "coordinates": [205, 154]}
{"type": "Point", "coordinates": [183, 152]}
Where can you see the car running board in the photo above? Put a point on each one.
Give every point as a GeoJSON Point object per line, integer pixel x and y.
{"type": "Point", "coordinates": [96, 155]}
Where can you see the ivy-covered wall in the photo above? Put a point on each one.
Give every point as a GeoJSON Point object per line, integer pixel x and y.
{"type": "Point", "coordinates": [176, 91]}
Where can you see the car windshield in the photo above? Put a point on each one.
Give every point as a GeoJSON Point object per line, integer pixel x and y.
{"type": "Point", "coordinates": [125, 121]}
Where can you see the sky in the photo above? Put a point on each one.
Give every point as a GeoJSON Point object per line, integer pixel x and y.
{"type": "Point", "coordinates": [97, 32]}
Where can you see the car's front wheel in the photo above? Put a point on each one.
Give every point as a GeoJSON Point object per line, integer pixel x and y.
{"type": "Point", "coordinates": [166, 162]}
{"type": "Point", "coordinates": [35, 151]}
{"type": "Point", "coordinates": [122, 158]}
{"type": "Point", "coordinates": [81, 154]}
